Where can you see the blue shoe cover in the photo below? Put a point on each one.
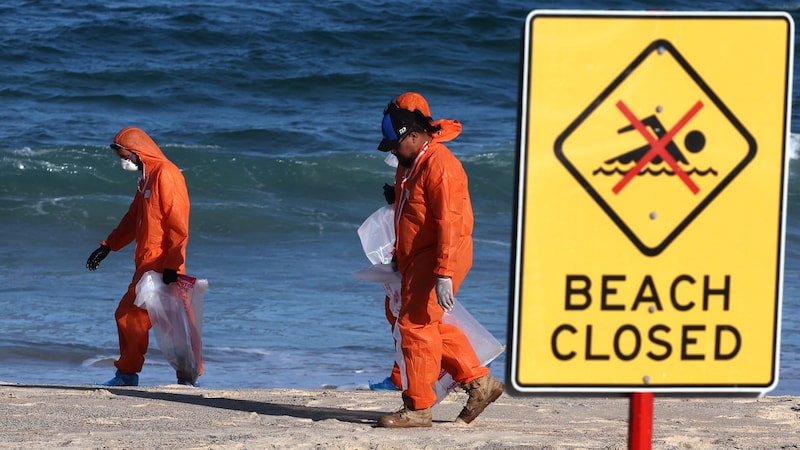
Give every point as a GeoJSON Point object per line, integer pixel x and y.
{"type": "Point", "coordinates": [186, 382]}
{"type": "Point", "coordinates": [385, 385]}
{"type": "Point", "coordinates": [123, 379]}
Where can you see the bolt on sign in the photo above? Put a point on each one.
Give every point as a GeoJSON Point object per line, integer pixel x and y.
{"type": "Point", "coordinates": [651, 202]}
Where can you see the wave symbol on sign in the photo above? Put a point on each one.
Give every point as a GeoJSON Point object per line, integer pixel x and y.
{"type": "Point", "coordinates": [694, 142]}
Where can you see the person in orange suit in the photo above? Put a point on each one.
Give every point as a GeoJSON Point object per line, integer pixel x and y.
{"type": "Point", "coordinates": [411, 101]}
{"type": "Point", "coordinates": [433, 251]}
{"type": "Point", "coordinates": [158, 220]}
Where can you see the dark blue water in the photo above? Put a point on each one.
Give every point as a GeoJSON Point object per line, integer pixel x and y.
{"type": "Point", "coordinates": [272, 110]}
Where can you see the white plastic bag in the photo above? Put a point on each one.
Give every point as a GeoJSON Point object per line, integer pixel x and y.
{"type": "Point", "coordinates": [377, 235]}
{"type": "Point", "coordinates": [176, 313]}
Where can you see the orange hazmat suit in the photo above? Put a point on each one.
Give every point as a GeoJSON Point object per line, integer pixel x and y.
{"type": "Point", "coordinates": [434, 223]}
{"type": "Point", "coordinates": [158, 220]}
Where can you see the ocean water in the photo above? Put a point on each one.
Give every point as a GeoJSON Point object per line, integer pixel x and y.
{"type": "Point", "coordinates": [271, 109]}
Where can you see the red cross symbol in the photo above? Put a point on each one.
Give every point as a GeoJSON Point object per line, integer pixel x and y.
{"type": "Point", "coordinates": [657, 147]}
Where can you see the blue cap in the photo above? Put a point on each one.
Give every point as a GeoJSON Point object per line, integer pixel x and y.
{"type": "Point", "coordinates": [396, 124]}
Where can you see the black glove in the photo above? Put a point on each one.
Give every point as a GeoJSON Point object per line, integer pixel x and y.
{"type": "Point", "coordinates": [170, 276]}
{"type": "Point", "coordinates": [388, 193]}
{"type": "Point", "coordinates": [98, 255]}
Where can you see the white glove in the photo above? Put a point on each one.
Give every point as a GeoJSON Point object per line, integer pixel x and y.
{"type": "Point", "coordinates": [444, 293]}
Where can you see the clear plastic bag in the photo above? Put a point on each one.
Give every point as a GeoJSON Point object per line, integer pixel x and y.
{"type": "Point", "coordinates": [487, 347]}
{"type": "Point", "coordinates": [176, 313]}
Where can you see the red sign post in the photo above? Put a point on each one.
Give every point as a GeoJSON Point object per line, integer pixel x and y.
{"type": "Point", "coordinates": [640, 421]}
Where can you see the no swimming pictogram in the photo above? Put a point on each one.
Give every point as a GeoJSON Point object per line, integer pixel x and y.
{"type": "Point", "coordinates": [652, 153]}
{"type": "Point", "coordinates": [656, 149]}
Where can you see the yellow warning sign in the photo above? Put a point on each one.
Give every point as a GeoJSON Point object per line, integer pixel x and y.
{"type": "Point", "coordinates": [651, 202]}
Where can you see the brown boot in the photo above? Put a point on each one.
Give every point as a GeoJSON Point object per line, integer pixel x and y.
{"type": "Point", "coordinates": [407, 418]}
{"type": "Point", "coordinates": [482, 391]}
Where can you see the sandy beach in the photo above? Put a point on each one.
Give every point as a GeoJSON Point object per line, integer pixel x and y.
{"type": "Point", "coordinates": [180, 417]}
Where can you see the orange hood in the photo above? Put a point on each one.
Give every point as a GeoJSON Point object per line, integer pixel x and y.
{"type": "Point", "coordinates": [143, 145]}
{"type": "Point", "coordinates": [450, 130]}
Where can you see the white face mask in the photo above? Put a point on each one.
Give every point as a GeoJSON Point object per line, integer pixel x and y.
{"type": "Point", "coordinates": [391, 160]}
{"type": "Point", "coordinates": [129, 165]}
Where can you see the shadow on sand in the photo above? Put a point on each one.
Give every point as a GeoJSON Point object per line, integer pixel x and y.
{"type": "Point", "coordinates": [262, 408]}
